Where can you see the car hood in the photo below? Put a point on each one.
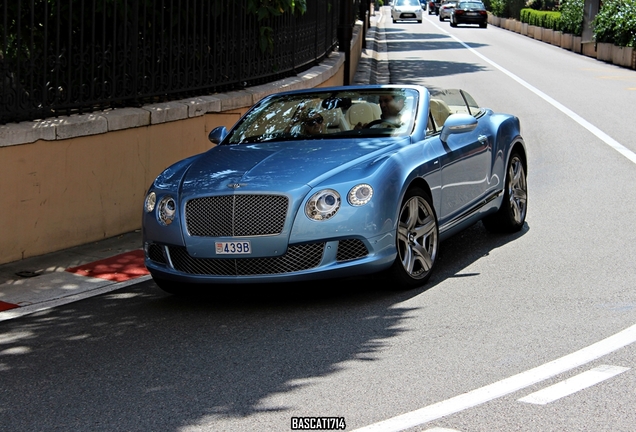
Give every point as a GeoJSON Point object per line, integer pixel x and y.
{"type": "Point", "coordinates": [283, 166]}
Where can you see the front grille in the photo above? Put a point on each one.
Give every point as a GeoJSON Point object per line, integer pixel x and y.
{"type": "Point", "coordinates": [351, 249]}
{"type": "Point", "coordinates": [236, 215]}
{"type": "Point", "coordinates": [155, 253]}
{"type": "Point", "coordinates": [297, 258]}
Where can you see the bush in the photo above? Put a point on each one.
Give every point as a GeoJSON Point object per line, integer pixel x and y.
{"type": "Point", "coordinates": [497, 7]}
{"type": "Point", "coordinates": [572, 16]}
{"type": "Point", "coordinates": [616, 23]}
{"type": "Point", "coordinates": [505, 8]}
{"type": "Point", "coordinates": [545, 19]}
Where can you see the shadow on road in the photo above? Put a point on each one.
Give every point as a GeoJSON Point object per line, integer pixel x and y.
{"type": "Point", "coordinates": [138, 359]}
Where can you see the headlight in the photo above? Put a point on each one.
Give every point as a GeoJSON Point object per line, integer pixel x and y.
{"type": "Point", "coordinates": [360, 195]}
{"type": "Point", "coordinates": [166, 210]}
{"type": "Point", "coordinates": [151, 200]}
{"type": "Point", "coordinates": [323, 205]}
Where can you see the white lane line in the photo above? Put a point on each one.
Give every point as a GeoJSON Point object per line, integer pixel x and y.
{"type": "Point", "coordinates": [505, 386]}
{"type": "Point", "coordinates": [568, 112]}
{"type": "Point", "coordinates": [573, 385]}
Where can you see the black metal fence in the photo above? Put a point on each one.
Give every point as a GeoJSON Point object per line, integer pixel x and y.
{"type": "Point", "coordinates": [59, 57]}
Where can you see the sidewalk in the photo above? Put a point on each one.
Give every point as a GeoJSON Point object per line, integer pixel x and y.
{"type": "Point", "coordinates": [38, 283]}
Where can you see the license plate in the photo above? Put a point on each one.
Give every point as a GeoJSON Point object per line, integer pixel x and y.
{"type": "Point", "coordinates": [408, 15]}
{"type": "Point", "coordinates": [473, 13]}
{"type": "Point", "coordinates": [233, 248]}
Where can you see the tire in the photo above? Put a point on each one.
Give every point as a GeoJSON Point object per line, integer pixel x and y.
{"type": "Point", "coordinates": [452, 22]}
{"type": "Point", "coordinates": [484, 25]}
{"type": "Point", "coordinates": [514, 207]}
{"type": "Point", "coordinates": [417, 241]}
{"type": "Point", "coordinates": [440, 18]}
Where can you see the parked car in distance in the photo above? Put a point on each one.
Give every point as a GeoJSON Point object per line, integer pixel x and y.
{"type": "Point", "coordinates": [445, 9]}
{"type": "Point", "coordinates": [469, 12]}
{"type": "Point", "coordinates": [433, 6]}
{"type": "Point", "coordinates": [406, 10]}
{"type": "Point", "coordinates": [335, 182]}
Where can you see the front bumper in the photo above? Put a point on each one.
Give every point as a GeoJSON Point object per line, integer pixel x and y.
{"type": "Point", "coordinates": [307, 261]}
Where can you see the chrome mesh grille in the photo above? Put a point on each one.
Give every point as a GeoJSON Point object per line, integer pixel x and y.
{"type": "Point", "coordinates": [297, 258]}
{"type": "Point", "coordinates": [351, 249]}
{"type": "Point", "coordinates": [236, 215]}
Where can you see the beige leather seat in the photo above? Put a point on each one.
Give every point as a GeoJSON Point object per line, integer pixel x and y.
{"type": "Point", "coordinates": [363, 113]}
{"type": "Point", "coordinates": [440, 112]}
{"type": "Point", "coordinates": [334, 121]}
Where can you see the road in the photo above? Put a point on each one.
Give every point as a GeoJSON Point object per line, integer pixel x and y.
{"type": "Point", "coordinates": [501, 318]}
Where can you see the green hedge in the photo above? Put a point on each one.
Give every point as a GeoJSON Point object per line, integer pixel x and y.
{"type": "Point", "coordinates": [545, 19]}
{"type": "Point", "coordinates": [616, 23]}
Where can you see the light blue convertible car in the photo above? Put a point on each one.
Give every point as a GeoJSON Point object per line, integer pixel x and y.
{"type": "Point", "coordinates": [335, 182]}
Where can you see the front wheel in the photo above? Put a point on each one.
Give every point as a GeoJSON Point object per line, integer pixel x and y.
{"type": "Point", "coordinates": [417, 240]}
{"type": "Point", "coordinates": [512, 213]}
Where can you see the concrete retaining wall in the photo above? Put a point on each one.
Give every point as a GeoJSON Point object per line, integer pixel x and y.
{"type": "Point", "coordinates": [74, 180]}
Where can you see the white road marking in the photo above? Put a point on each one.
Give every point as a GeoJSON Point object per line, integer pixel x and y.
{"type": "Point", "coordinates": [530, 377]}
{"type": "Point", "coordinates": [505, 386]}
{"type": "Point", "coordinates": [573, 385]}
{"type": "Point", "coordinates": [568, 112]}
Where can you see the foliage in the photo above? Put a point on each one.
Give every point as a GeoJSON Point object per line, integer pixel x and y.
{"type": "Point", "coordinates": [572, 16]}
{"type": "Point", "coordinates": [497, 7]}
{"type": "Point", "coordinates": [505, 8]}
{"type": "Point", "coordinates": [616, 23]}
{"type": "Point", "coordinates": [545, 19]}
{"type": "Point", "coordinates": [542, 4]}
{"type": "Point", "coordinates": [265, 10]}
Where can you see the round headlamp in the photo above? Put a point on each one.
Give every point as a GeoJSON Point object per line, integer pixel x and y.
{"type": "Point", "coordinates": [323, 205]}
{"type": "Point", "coordinates": [360, 195]}
{"type": "Point", "coordinates": [151, 200]}
{"type": "Point", "coordinates": [166, 210]}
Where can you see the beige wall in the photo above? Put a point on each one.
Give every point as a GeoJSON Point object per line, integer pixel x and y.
{"type": "Point", "coordinates": [58, 193]}
{"type": "Point", "coordinates": [69, 192]}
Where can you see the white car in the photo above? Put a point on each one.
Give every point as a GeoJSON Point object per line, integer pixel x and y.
{"type": "Point", "coordinates": [406, 10]}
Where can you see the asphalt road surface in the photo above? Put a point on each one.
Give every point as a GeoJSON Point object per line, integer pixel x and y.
{"type": "Point", "coordinates": [530, 332]}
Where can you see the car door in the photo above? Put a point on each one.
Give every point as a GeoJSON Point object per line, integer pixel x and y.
{"type": "Point", "coordinates": [465, 168]}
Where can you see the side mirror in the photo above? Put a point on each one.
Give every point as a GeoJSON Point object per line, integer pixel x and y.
{"type": "Point", "coordinates": [457, 124]}
{"type": "Point", "coordinates": [217, 134]}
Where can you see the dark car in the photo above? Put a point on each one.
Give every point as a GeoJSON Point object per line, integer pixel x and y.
{"type": "Point", "coordinates": [433, 7]}
{"type": "Point", "coordinates": [469, 12]}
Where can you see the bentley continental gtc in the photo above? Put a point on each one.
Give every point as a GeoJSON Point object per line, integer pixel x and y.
{"type": "Point", "coordinates": [332, 183]}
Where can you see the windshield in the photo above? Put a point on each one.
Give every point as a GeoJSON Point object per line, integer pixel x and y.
{"type": "Point", "coordinates": [328, 115]}
{"type": "Point", "coordinates": [407, 3]}
{"type": "Point", "coordinates": [444, 103]}
{"type": "Point", "coordinates": [471, 5]}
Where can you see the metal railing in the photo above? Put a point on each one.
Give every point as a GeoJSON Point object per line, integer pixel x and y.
{"type": "Point", "coordinates": [62, 57]}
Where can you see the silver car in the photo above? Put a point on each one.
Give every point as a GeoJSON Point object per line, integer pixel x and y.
{"type": "Point", "coordinates": [446, 8]}
{"type": "Point", "coordinates": [406, 10]}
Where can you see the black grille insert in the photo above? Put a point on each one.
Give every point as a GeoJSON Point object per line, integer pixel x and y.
{"type": "Point", "coordinates": [297, 258]}
{"type": "Point", "coordinates": [351, 249]}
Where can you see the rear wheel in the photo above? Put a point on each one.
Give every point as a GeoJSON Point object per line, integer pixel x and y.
{"type": "Point", "coordinates": [512, 213]}
{"type": "Point", "coordinates": [417, 240]}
